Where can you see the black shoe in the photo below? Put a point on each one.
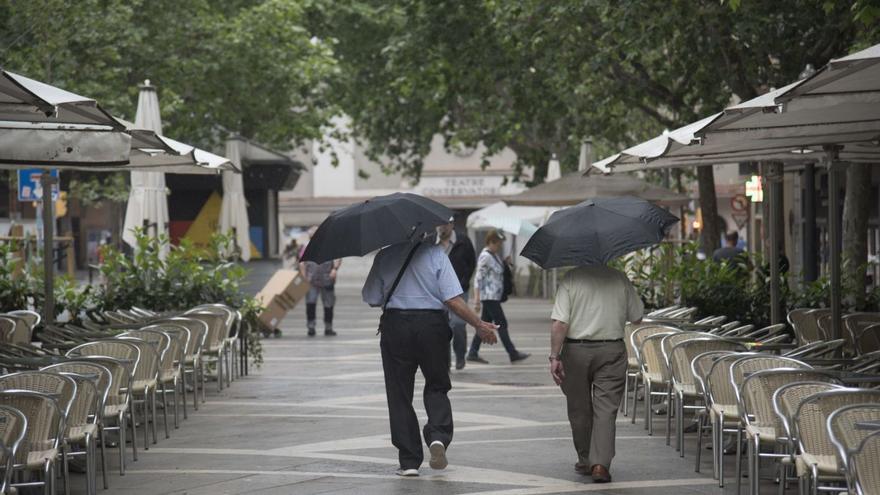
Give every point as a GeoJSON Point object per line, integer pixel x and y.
{"type": "Point", "coordinates": [519, 356]}
{"type": "Point", "coordinates": [477, 359]}
{"type": "Point", "coordinates": [691, 428]}
{"type": "Point", "coordinates": [329, 333]}
{"type": "Point", "coordinates": [311, 332]}
{"type": "Point", "coordinates": [459, 364]}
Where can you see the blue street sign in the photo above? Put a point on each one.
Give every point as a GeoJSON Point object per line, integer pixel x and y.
{"type": "Point", "coordinates": [29, 187]}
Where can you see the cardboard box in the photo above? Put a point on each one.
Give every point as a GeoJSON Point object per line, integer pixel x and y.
{"type": "Point", "coordinates": [281, 294]}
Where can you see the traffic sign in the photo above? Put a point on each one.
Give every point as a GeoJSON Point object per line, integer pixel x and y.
{"type": "Point", "coordinates": [739, 202]}
{"type": "Point", "coordinates": [29, 187]}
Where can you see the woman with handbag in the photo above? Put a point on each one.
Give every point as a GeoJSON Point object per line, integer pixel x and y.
{"type": "Point", "coordinates": [490, 290]}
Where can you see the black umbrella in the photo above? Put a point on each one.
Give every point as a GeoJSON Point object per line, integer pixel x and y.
{"type": "Point", "coordinates": [597, 231]}
{"type": "Point", "coordinates": [375, 223]}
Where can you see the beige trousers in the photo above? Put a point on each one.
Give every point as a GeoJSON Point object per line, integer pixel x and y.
{"type": "Point", "coordinates": [595, 374]}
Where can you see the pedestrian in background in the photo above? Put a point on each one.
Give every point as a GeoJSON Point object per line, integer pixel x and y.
{"type": "Point", "coordinates": [416, 286]}
{"type": "Point", "coordinates": [322, 280]}
{"type": "Point", "coordinates": [588, 358]}
{"type": "Point", "coordinates": [489, 293]}
{"type": "Point", "coordinates": [461, 254]}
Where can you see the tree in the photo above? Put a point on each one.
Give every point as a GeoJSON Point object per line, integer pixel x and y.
{"type": "Point", "coordinates": [539, 76]}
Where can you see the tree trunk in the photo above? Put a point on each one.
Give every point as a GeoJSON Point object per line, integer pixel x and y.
{"type": "Point", "coordinates": [709, 206]}
{"type": "Point", "coordinates": [855, 228]}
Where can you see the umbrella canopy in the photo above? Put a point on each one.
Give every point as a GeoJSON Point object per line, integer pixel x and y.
{"type": "Point", "coordinates": [575, 187]}
{"type": "Point", "coordinates": [597, 231]}
{"type": "Point", "coordinates": [516, 220]}
{"type": "Point", "coordinates": [839, 105]}
{"type": "Point", "coordinates": [148, 199]}
{"type": "Point", "coordinates": [233, 210]}
{"type": "Point", "coordinates": [25, 100]}
{"type": "Point", "coordinates": [554, 171]}
{"type": "Point", "coordinates": [373, 224]}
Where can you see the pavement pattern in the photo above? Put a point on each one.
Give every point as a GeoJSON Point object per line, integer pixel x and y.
{"type": "Point", "coordinates": [313, 420]}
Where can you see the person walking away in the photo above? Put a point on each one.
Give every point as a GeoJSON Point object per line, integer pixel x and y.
{"type": "Point", "coordinates": [322, 278]}
{"type": "Point", "coordinates": [588, 358]}
{"type": "Point", "coordinates": [415, 284]}
{"type": "Point", "coordinates": [730, 252]}
{"type": "Point", "coordinates": [461, 254]}
{"type": "Point", "coordinates": [489, 294]}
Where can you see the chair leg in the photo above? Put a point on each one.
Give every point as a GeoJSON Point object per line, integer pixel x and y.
{"type": "Point", "coordinates": [65, 467]}
{"type": "Point", "coordinates": [90, 466]}
{"type": "Point", "coordinates": [814, 479]}
{"type": "Point", "coordinates": [165, 410]}
{"type": "Point", "coordinates": [183, 390]}
{"type": "Point", "coordinates": [626, 395]}
{"type": "Point", "coordinates": [739, 433]}
{"type": "Point", "coordinates": [202, 378]}
{"type": "Point", "coordinates": [699, 443]}
{"type": "Point", "coordinates": [649, 409]}
{"type": "Point", "coordinates": [175, 396]}
{"type": "Point", "coordinates": [103, 456]}
{"type": "Point", "coordinates": [679, 429]}
{"type": "Point", "coordinates": [715, 444]}
{"type": "Point", "coordinates": [756, 466]}
{"type": "Point", "coordinates": [49, 478]}
{"type": "Point", "coordinates": [635, 399]}
{"type": "Point", "coordinates": [669, 409]}
{"type": "Point", "coordinates": [123, 432]}
{"type": "Point", "coordinates": [720, 453]}
{"type": "Point", "coordinates": [220, 370]}
{"type": "Point", "coordinates": [132, 418]}
{"type": "Point", "coordinates": [153, 410]}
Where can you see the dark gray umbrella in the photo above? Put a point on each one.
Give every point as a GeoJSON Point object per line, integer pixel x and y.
{"type": "Point", "coordinates": [597, 231]}
{"type": "Point", "coordinates": [375, 223]}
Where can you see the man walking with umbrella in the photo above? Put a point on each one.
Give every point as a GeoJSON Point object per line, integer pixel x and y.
{"type": "Point", "coordinates": [415, 284]}
{"type": "Point", "coordinates": [593, 303]}
{"type": "Point", "coordinates": [415, 334]}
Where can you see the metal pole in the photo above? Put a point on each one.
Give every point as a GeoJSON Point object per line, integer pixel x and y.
{"type": "Point", "coordinates": [46, 182]}
{"type": "Point", "coordinates": [834, 236]}
{"type": "Point", "coordinates": [811, 236]}
{"type": "Point", "coordinates": [773, 179]}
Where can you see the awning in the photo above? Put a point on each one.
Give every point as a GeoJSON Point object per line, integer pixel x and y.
{"type": "Point", "coordinates": [516, 220]}
{"type": "Point", "coordinates": [575, 187]}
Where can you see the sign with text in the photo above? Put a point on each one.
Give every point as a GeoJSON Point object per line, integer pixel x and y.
{"type": "Point", "coordinates": [460, 186]}
{"type": "Point", "coordinates": [29, 187]}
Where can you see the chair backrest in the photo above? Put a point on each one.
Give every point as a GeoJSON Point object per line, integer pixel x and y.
{"type": "Point", "coordinates": [854, 323]}
{"type": "Point", "coordinates": [864, 461]}
{"type": "Point", "coordinates": [84, 408]}
{"type": "Point", "coordinates": [232, 316]}
{"type": "Point", "coordinates": [180, 339]}
{"type": "Point", "coordinates": [217, 330]}
{"type": "Point", "coordinates": [61, 388]}
{"type": "Point", "coordinates": [120, 371]}
{"type": "Point", "coordinates": [32, 318]}
{"type": "Point", "coordinates": [811, 417]}
{"type": "Point", "coordinates": [868, 340]}
{"type": "Point", "coordinates": [653, 363]}
{"type": "Point", "coordinates": [758, 388]}
{"type": "Point", "coordinates": [803, 321]}
{"type": "Point", "coordinates": [13, 425]}
{"type": "Point", "coordinates": [765, 332]}
{"type": "Point", "coordinates": [683, 354]}
{"type": "Point", "coordinates": [147, 367]}
{"type": "Point", "coordinates": [640, 334]}
{"type": "Point", "coordinates": [44, 416]}
{"type": "Point", "coordinates": [738, 331]}
{"type": "Point", "coordinates": [100, 377]}
{"type": "Point", "coordinates": [673, 339]}
{"type": "Point", "coordinates": [787, 399]}
{"type": "Point", "coordinates": [23, 331]}
{"type": "Point", "coordinates": [816, 350]}
{"type": "Point", "coordinates": [7, 330]}
{"type": "Point", "coordinates": [741, 368]}
{"type": "Point", "coordinates": [845, 433]}
{"type": "Point", "coordinates": [171, 346]}
{"type": "Point", "coordinates": [198, 331]}
{"type": "Point", "coordinates": [721, 391]}
{"type": "Point", "coordinates": [119, 351]}
{"type": "Point", "coordinates": [700, 366]}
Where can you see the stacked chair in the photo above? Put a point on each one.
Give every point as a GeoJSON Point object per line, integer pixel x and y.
{"type": "Point", "coordinates": [63, 389]}
{"type": "Point", "coordinates": [803, 403]}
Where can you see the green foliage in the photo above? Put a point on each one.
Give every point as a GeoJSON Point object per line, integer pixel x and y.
{"type": "Point", "coordinates": [92, 189]}
{"type": "Point", "coordinates": [539, 76]}
{"type": "Point", "coordinates": [672, 274]}
{"type": "Point", "coordinates": [187, 276]}
{"type": "Point", "coordinates": [220, 66]}
{"type": "Point", "coordinates": [16, 288]}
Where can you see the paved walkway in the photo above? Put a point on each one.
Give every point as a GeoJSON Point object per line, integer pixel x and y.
{"type": "Point", "coordinates": [313, 420]}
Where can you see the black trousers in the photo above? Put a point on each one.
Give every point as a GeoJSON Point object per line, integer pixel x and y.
{"type": "Point", "coordinates": [493, 312]}
{"type": "Point", "coordinates": [412, 340]}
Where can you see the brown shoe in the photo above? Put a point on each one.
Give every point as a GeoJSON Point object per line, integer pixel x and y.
{"type": "Point", "coordinates": [601, 474]}
{"type": "Point", "coordinates": [582, 468]}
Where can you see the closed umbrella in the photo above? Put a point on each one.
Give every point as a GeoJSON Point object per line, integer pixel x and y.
{"type": "Point", "coordinates": [233, 210]}
{"type": "Point", "coordinates": [554, 171]}
{"type": "Point", "coordinates": [597, 231]}
{"type": "Point", "coordinates": [148, 200]}
{"type": "Point", "coordinates": [373, 224]}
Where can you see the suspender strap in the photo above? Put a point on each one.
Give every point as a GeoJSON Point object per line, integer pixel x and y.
{"type": "Point", "coordinates": [409, 258]}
